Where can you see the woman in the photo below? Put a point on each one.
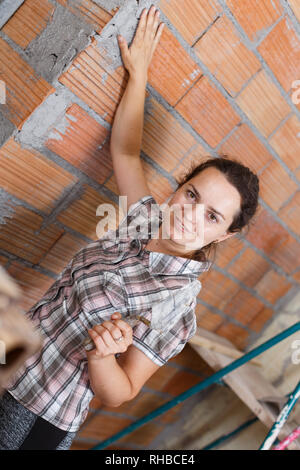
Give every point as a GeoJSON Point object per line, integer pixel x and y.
{"type": "Point", "coordinates": [120, 277]}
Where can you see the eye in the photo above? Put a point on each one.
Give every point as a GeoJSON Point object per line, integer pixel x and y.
{"type": "Point", "coordinates": [215, 218]}
{"type": "Point", "coordinates": [190, 192]}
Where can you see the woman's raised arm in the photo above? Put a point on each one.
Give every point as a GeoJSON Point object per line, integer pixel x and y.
{"type": "Point", "coordinates": [127, 130]}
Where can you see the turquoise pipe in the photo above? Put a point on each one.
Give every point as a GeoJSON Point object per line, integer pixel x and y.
{"type": "Point", "coordinates": [223, 438]}
{"type": "Point", "coordinates": [281, 419]}
{"type": "Point", "coordinates": [200, 386]}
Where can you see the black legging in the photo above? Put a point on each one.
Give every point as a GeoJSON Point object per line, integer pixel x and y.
{"type": "Point", "coordinates": [43, 435]}
{"type": "Point", "coordinates": [21, 429]}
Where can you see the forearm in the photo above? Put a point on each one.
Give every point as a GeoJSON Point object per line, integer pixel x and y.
{"type": "Point", "coordinates": [109, 382]}
{"type": "Point", "coordinates": [127, 130]}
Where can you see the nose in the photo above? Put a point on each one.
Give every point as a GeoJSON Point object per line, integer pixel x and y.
{"type": "Point", "coordinates": [186, 219]}
{"type": "Point", "coordinates": [189, 217]}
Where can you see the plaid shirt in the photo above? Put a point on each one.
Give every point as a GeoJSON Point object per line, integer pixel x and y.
{"type": "Point", "coordinates": [114, 273]}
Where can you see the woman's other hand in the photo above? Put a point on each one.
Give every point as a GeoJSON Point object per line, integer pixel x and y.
{"type": "Point", "coordinates": [137, 58]}
{"type": "Point", "coordinates": [105, 336]}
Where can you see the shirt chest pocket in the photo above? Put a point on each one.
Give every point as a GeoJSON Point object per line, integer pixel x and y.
{"type": "Point", "coordinates": [169, 311]}
{"type": "Point", "coordinates": [101, 295]}
{"type": "Point", "coordinates": [113, 287]}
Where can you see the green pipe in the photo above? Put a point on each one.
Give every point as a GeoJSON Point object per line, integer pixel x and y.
{"type": "Point", "coordinates": [232, 433]}
{"type": "Point", "coordinates": [227, 436]}
{"type": "Point", "coordinates": [200, 386]}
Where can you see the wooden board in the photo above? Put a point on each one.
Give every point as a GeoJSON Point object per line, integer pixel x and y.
{"type": "Point", "coordinates": [248, 383]}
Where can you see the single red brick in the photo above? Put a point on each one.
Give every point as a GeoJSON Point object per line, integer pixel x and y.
{"type": "Point", "coordinates": [195, 156]}
{"type": "Point", "coordinates": [62, 252]}
{"type": "Point", "coordinates": [263, 103]}
{"type": "Point", "coordinates": [227, 250]}
{"type": "Point", "coordinates": [207, 319]}
{"type": "Point", "coordinates": [243, 307]}
{"type": "Point", "coordinates": [290, 213]}
{"type": "Point", "coordinates": [87, 77]}
{"type": "Point", "coordinates": [192, 17]}
{"type": "Point", "coordinates": [144, 403]}
{"type": "Point", "coordinates": [255, 17]}
{"type": "Point", "coordinates": [84, 144]}
{"type": "Point", "coordinates": [180, 382]}
{"type": "Point", "coordinates": [164, 139]}
{"type": "Point", "coordinates": [234, 333]}
{"type": "Point", "coordinates": [172, 71]}
{"type": "Point", "coordinates": [281, 50]}
{"type": "Point", "coordinates": [272, 286]}
{"type": "Point", "coordinates": [21, 234]}
{"type": "Point", "coordinates": [287, 254]}
{"type": "Point", "coordinates": [275, 176]}
{"type": "Point", "coordinates": [85, 209]}
{"type": "Point", "coordinates": [286, 142]}
{"type": "Point", "coordinates": [144, 435]}
{"type": "Point", "coordinates": [249, 267]}
{"type": "Point", "coordinates": [28, 21]}
{"type": "Point", "coordinates": [269, 236]}
{"type": "Point", "coordinates": [244, 146]}
{"type": "Point", "coordinates": [261, 319]}
{"type": "Point", "coordinates": [25, 91]}
{"type": "Point", "coordinates": [33, 284]}
{"type": "Point", "coordinates": [30, 176]}
{"type": "Point", "coordinates": [208, 112]}
{"type": "Point", "coordinates": [228, 59]}
{"type": "Point", "coordinates": [159, 379]}
{"type": "Point", "coordinates": [188, 357]}
{"type": "Point", "coordinates": [102, 427]}
{"type": "Point", "coordinates": [266, 233]}
{"type": "Point", "coordinates": [217, 289]}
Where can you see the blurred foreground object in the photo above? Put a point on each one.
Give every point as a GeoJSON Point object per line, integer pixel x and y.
{"type": "Point", "coordinates": [18, 339]}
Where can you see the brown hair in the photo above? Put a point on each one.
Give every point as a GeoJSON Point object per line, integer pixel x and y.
{"type": "Point", "coordinates": [245, 181]}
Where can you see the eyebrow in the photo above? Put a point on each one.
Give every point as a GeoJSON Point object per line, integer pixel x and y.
{"type": "Point", "coordinates": [211, 208]}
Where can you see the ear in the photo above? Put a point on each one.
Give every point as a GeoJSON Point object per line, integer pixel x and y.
{"type": "Point", "coordinates": [224, 237]}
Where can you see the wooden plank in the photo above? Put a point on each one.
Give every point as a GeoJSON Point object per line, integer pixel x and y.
{"type": "Point", "coordinates": [218, 347]}
{"type": "Point", "coordinates": [248, 383]}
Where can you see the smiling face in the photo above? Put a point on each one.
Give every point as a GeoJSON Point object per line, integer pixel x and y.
{"type": "Point", "coordinates": [211, 204]}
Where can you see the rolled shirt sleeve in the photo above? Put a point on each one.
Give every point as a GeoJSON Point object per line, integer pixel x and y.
{"type": "Point", "coordinates": [161, 346]}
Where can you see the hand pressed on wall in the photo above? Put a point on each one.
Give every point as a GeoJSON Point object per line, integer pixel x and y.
{"type": "Point", "coordinates": [137, 58]}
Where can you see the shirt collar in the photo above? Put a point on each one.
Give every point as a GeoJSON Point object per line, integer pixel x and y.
{"type": "Point", "coordinates": [161, 263]}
